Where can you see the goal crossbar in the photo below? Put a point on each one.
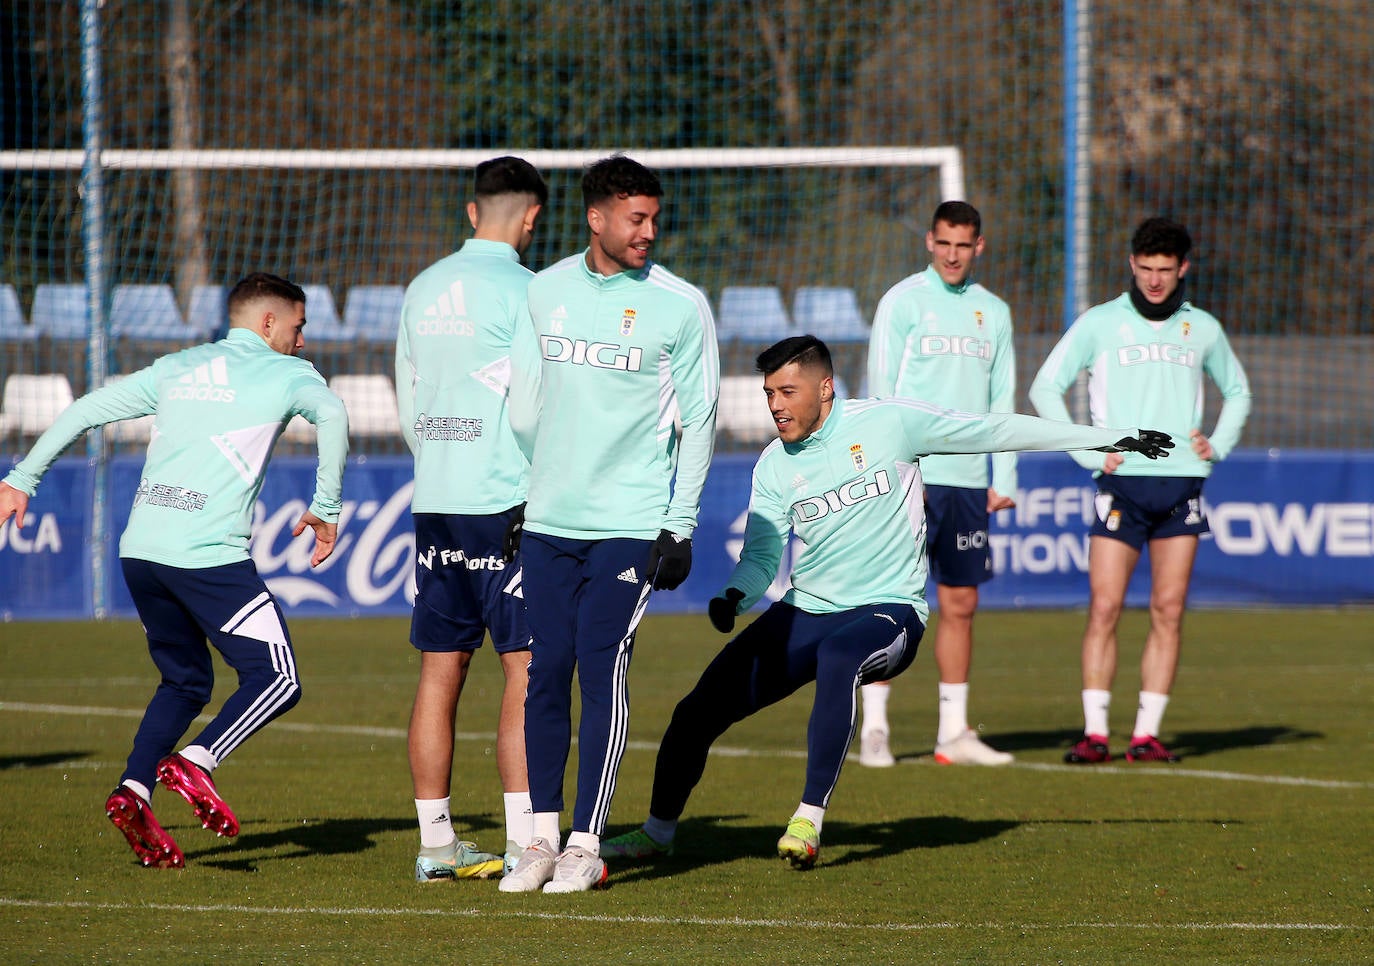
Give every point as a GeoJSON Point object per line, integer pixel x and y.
{"type": "Point", "coordinates": [949, 160]}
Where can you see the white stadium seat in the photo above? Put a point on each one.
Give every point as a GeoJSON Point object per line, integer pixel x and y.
{"type": "Point", "coordinates": [371, 404]}
{"type": "Point", "coordinates": [31, 402]}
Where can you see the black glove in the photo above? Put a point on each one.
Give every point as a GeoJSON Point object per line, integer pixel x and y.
{"type": "Point", "coordinates": [1150, 444]}
{"type": "Point", "coordinates": [721, 610]}
{"type": "Point", "coordinates": [510, 543]}
{"type": "Point", "coordinates": [670, 561]}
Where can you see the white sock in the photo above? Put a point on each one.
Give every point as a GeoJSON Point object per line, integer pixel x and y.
{"type": "Point", "coordinates": [1095, 706]}
{"type": "Point", "coordinates": [546, 828]}
{"type": "Point", "coordinates": [875, 707]}
{"type": "Point", "coordinates": [519, 818]}
{"type": "Point", "coordinates": [436, 825]}
{"type": "Point", "coordinates": [953, 712]}
{"type": "Point", "coordinates": [661, 830]}
{"type": "Point", "coordinates": [585, 840]}
{"type": "Point", "coordinates": [138, 788]}
{"type": "Point", "coordinates": [1149, 714]}
{"type": "Point", "coordinates": [200, 756]}
{"type": "Point", "coordinates": [813, 812]}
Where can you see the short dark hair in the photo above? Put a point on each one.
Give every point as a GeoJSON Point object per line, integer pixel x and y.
{"type": "Point", "coordinates": [259, 285]}
{"type": "Point", "coordinates": [805, 350]}
{"type": "Point", "coordinates": [1160, 236]}
{"type": "Point", "coordinates": [508, 176]}
{"type": "Point", "coordinates": [618, 177]}
{"type": "Point", "coordinates": [958, 213]}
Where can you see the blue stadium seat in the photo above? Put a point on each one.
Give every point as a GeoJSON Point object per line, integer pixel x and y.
{"type": "Point", "coordinates": [59, 311]}
{"type": "Point", "coordinates": [374, 311]}
{"type": "Point", "coordinates": [146, 312]}
{"type": "Point", "coordinates": [752, 312]}
{"type": "Point", "coordinates": [13, 328]}
{"type": "Point", "coordinates": [829, 313]}
{"type": "Point", "coordinates": [208, 316]}
{"type": "Point", "coordinates": [322, 322]}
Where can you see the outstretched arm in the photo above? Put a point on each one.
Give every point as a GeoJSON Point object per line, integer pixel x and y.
{"type": "Point", "coordinates": [933, 430]}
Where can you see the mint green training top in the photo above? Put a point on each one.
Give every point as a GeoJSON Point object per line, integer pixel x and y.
{"type": "Point", "coordinates": [219, 410]}
{"type": "Point", "coordinates": [453, 376]}
{"type": "Point", "coordinates": [1149, 374]}
{"type": "Point", "coordinates": [851, 492]}
{"type": "Point", "coordinates": [606, 369]}
{"type": "Point", "coordinates": [950, 345]}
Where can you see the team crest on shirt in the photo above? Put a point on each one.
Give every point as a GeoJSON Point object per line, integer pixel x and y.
{"type": "Point", "coordinates": [627, 322]}
{"type": "Point", "coordinates": [978, 318]}
{"type": "Point", "coordinates": [1187, 327]}
{"type": "Point", "coordinates": [856, 453]}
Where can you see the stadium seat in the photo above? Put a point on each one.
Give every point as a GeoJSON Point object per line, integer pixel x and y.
{"type": "Point", "coordinates": [137, 430]}
{"type": "Point", "coordinates": [299, 430]}
{"type": "Point", "coordinates": [752, 312]}
{"type": "Point", "coordinates": [30, 402]}
{"type": "Point", "coordinates": [59, 311]}
{"type": "Point", "coordinates": [12, 325]}
{"type": "Point", "coordinates": [208, 315]}
{"type": "Point", "coordinates": [371, 404]}
{"type": "Point", "coordinates": [322, 322]}
{"type": "Point", "coordinates": [374, 311]}
{"type": "Point", "coordinates": [829, 313]}
{"type": "Point", "coordinates": [742, 413]}
{"type": "Point", "coordinates": [146, 312]}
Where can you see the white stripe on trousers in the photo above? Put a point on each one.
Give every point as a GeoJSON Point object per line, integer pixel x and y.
{"type": "Point", "coordinates": [871, 662]}
{"type": "Point", "coordinates": [620, 718]}
{"type": "Point", "coordinates": [267, 703]}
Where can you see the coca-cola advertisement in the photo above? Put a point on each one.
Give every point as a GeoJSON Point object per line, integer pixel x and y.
{"type": "Point", "coordinates": [1285, 529]}
{"type": "Point", "coordinates": [372, 568]}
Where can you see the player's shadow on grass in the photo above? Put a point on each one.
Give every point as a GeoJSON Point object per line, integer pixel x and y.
{"type": "Point", "coordinates": [707, 841]}
{"type": "Point", "coordinates": [1188, 744]}
{"type": "Point", "coordinates": [46, 760]}
{"type": "Point", "coordinates": [333, 836]}
{"type": "Point", "coordinates": [1194, 744]}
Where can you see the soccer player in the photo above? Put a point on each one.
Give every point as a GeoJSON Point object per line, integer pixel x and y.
{"type": "Point", "coordinates": [1146, 352]}
{"type": "Point", "coordinates": [219, 410]}
{"type": "Point", "coordinates": [620, 350]}
{"type": "Point", "coordinates": [843, 477]}
{"type": "Point", "coordinates": [452, 376]}
{"type": "Point", "coordinates": [939, 336]}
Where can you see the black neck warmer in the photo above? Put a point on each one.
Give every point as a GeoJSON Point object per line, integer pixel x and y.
{"type": "Point", "coordinates": [1160, 312]}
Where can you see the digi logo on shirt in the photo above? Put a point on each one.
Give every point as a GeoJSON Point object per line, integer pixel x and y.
{"type": "Point", "coordinates": [846, 494]}
{"type": "Point", "coordinates": [599, 355]}
{"type": "Point", "coordinates": [944, 345]}
{"type": "Point", "coordinates": [1134, 355]}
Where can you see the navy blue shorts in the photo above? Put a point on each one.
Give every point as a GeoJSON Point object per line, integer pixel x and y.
{"type": "Point", "coordinates": [1137, 509]}
{"type": "Point", "coordinates": [463, 588]}
{"type": "Point", "coordinates": [957, 535]}
{"type": "Point", "coordinates": [184, 606]}
{"type": "Point", "coordinates": [180, 608]}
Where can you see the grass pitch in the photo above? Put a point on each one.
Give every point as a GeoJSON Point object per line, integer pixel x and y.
{"type": "Point", "coordinates": [1257, 848]}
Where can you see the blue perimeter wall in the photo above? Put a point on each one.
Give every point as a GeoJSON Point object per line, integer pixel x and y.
{"type": "Point", "coordinates": [1288, 528]}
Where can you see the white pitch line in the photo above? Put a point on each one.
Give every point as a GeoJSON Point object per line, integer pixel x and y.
{"type": "Point", "coordinates": [726, 751]}
{"type": "Point", "coordinates": [1229, 776]}
{"type": "Point", "coordinates": [728, 921]}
